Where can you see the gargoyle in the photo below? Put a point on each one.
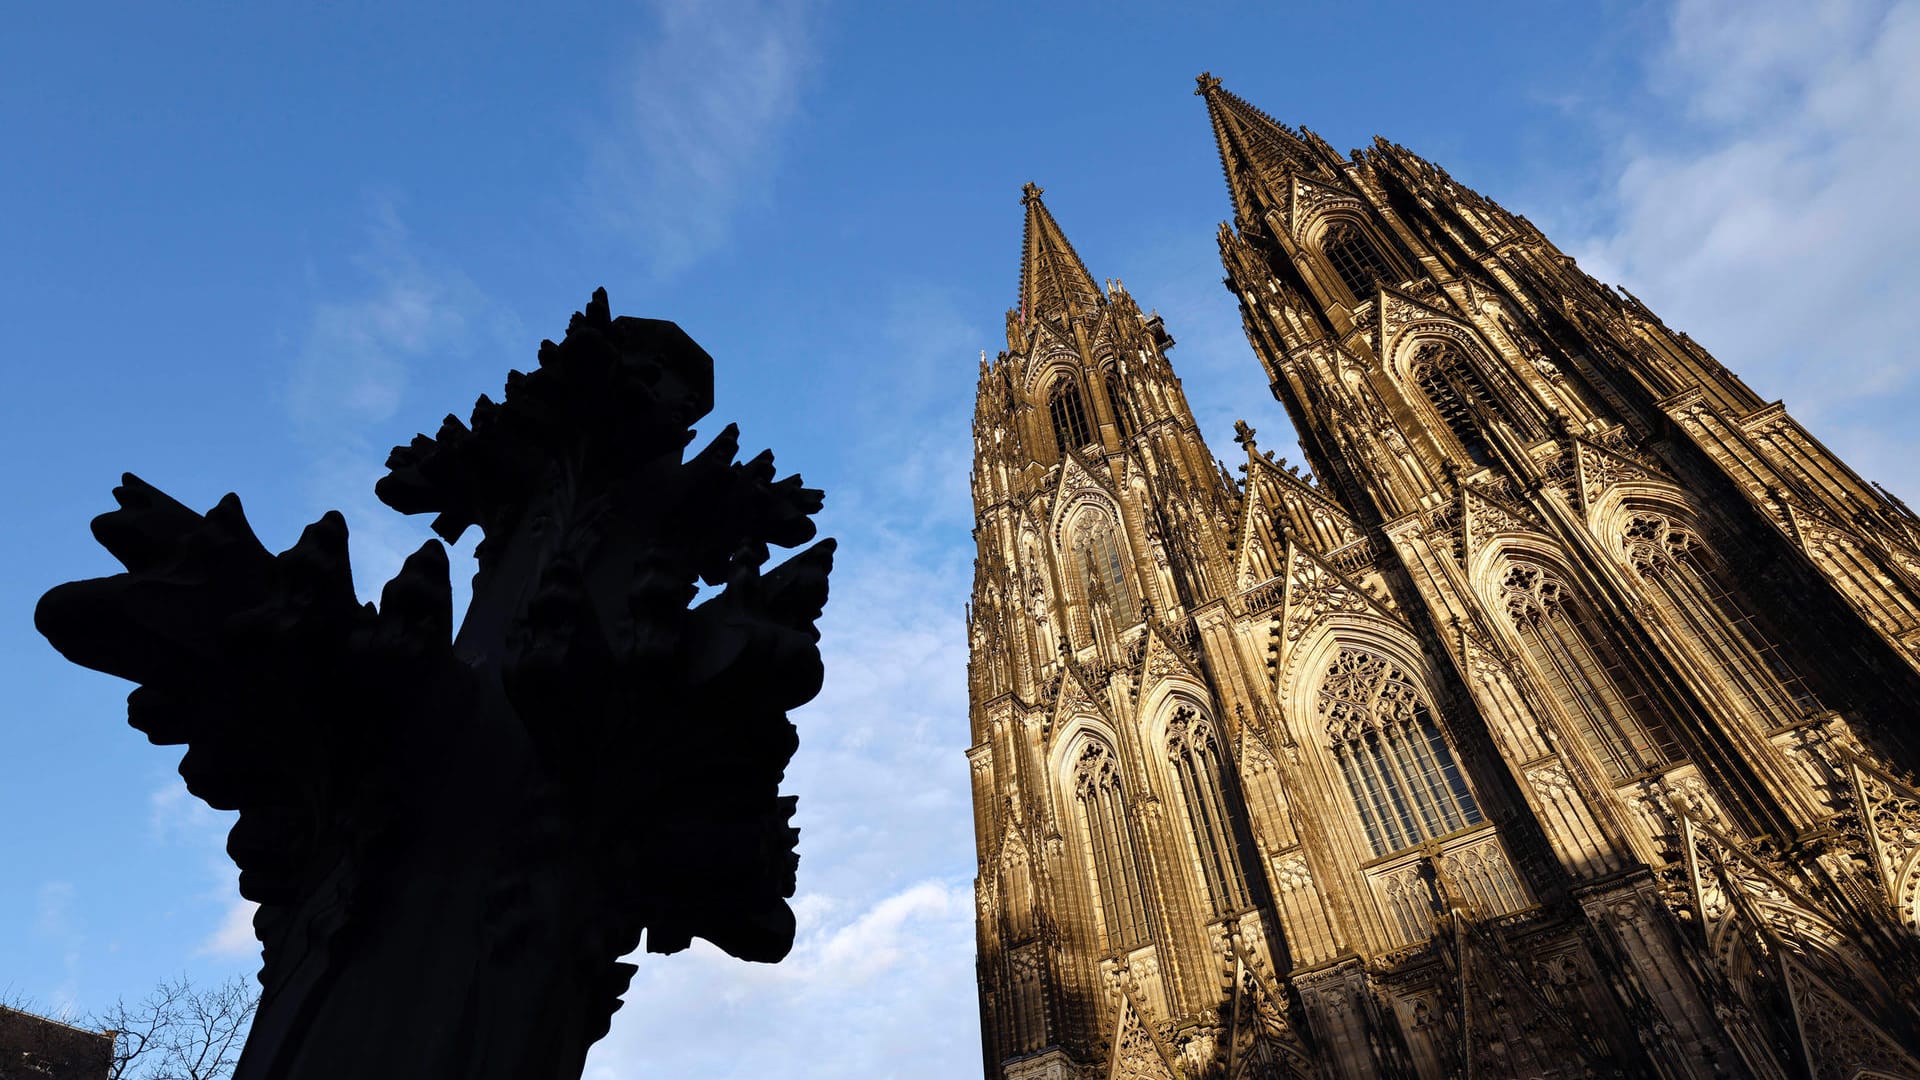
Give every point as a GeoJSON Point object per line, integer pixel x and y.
{"type": "Point", "coordinates": [453, 841]}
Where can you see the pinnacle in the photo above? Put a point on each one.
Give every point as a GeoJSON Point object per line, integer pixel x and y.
{"type": "Point", "coordinates": [1054, 283]}
{"type": "Point", "coordinates": [1254, 147]}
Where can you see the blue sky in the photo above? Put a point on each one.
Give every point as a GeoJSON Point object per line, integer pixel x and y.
{"type": "Point", "coordinates": [249, 247]}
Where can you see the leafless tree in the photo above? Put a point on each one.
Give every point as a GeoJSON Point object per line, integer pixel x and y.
{"type": "Point", "coordinates": [180, 1032]}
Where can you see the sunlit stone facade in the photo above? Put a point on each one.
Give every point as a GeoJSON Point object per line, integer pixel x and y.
{"type": "Point", "coordinates": [1559, 722]}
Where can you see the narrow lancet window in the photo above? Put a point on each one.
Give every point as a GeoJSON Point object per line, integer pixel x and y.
{"type": "Point", "coordinates": [1118, 402]}
{"type": "Point", "coordinates": [1614, 717]}
{"type": "Point", "coordinates": [1457, 393]}
{"type": "Point", "coordinates": [1697, 593]}
{"type": "Point", "coordinates": [1116, 873]}
{"type": "Point", "coordinates": [1355, 259]}
{"type": "Point", "coordinates": [1196, 763]}
{"type": "Point", "coordinates": [1104, 570]}
{"type": "Point", "coordinates": [1069, 413]}
{"type": "Point", "coordinates": [1397, 768]}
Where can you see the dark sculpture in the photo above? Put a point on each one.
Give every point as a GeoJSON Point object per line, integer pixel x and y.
{"type": "Point", "coordinates": [452, 844]}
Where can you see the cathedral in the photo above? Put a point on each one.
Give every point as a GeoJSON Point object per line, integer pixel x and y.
{"type": "Point", "coordinates": [1557, 720]}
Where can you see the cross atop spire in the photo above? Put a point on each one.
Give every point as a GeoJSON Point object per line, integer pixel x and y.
{"type": "Point", "coordinates": [1209, 82]}
{"type": "Point", "coordinates": [1054, 283]}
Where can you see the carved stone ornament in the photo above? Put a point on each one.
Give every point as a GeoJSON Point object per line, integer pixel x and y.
{"type": "Point", "coordinates": [1485, 518]}
{"type": "Point", "coordinates": [1314, 590]}
{"type": "Point", "coordinates": [1599, 470]}
{"type": "Point", "coordinates": [453, 842]}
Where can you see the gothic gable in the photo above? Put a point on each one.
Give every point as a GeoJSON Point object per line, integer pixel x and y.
{"type": "Point", "coordinates": [1282, 494]}
{"type": "Point", "coordinates": [1138, 1051]}
{"type": "Point", "coordinates": [1482, 518]}
{"type": "Point", "coordinates": [1511, 1028]}
{"type": "Point", "coordinates": [1046, 347]}
{"type": "Point", "coordinates": [1316, 591]}
{"type": "Point", "coordinates": [1161, 661]}
{"type": "Point", "coordinates": [1890, 816]}
{"type": "Point", "coordinates": [1074, 700]}
{"type": "Point", "coordinates": [1251, 549]}
{"type": "Point", "coordinates": [1755, 919]}
{"type": "Point", "coordinates": [1312, 198]}
{"type": "Point", "coordinates": [1839, 1041]}
{"type": "Point", "coordinates": [1811, 528]}
{"type": "Point", "coordinates": [1400, 310]}
{"type": "Point", "coordinates": [1598, 470]}
{"type": "Point", "coordinates": [1262, 1042]}
{"type": "Point", "coordinates": [1079, 484]}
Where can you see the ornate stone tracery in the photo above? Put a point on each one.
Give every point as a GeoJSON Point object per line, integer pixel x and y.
{"type": "Point", "coordinates": [1399, 771]}
{"type": "Point", "coordinates": [1114, 860]}
{"type": "Point", "coordinates": [1558, 594]}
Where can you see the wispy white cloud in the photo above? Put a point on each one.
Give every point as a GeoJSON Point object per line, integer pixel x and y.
{"type": "Point", "coordinates": [177, 820]}
{"type": "Point", "coordinates": [54, 914]}
{"type": "Point", "coordinates": [352, 368]}
{"type": "Point", "coordinates": [56, 923]}
{"type": "Point", "coordinates": [233, 939]}
{"type": "Point", "coordinates": [880, 982]}
{"type": "Point", "coordinates": [1774, 223]}
{"type": "Point", "coordinates": [700, 122]}
{"type": "Point", "coordinates": [886, 992]}
{"type": "Point", "coordinates": [174, 815]}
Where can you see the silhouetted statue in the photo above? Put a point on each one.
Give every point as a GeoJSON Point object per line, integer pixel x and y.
{"type": "Point", "coordinates": [452, 844]}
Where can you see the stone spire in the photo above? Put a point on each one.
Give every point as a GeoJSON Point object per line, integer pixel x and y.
{"type": "Point", "coordinates": [1256, 149]}
{"type": "Point", "coordinates": [1054, 283]}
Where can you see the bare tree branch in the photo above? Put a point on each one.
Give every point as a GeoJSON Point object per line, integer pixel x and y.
{"type": "Point", "coordinates": [180, 1033]}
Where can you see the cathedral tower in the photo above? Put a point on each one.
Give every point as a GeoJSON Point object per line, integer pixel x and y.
{"type": "Point", "coordinates": [1559, 722]}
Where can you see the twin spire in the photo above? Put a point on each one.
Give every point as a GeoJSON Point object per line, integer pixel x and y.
{"type": "Point", "coordinates": [1055, 284]}
{"type": "Point", "coordinates": [1254, 147]}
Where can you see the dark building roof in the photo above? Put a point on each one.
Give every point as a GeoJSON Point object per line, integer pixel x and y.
{"type": "Point", "coordinates": [43, 1049]}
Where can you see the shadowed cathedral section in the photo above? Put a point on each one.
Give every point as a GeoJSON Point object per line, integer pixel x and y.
{"type": "Point", "coordinates": [453, 842]}
{"type": "Point", "coordinates": [1557, 723]}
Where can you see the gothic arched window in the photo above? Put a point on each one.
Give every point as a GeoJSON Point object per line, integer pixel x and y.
{"type": "Point", "coordinates": [1614, 716]}
{"type": "Point", "coordinates": [1457, 393]}
{"type": "Point", "coordinates": [1699, 596]}
{"type": "Point", "coordinates": [1069, 413]}
{"type": "Point", "coordinates": [1116, 874]}
{"type": "Point", "coordinates": [1397, 768]}
{"type": "Point", "coordinates": [1119, 403]}
{"type": "Point", "coordinates": [1104, 570]}
{"type": "Point", "coordinates": [1355, 259]}
{"type": "Point", "coordinates": [1196, 762]}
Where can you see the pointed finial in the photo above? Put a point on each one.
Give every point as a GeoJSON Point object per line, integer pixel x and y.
{"type": "Point", "coordinates": [1208, 84]}
{"type": "Point", "coordinates": [1243, 434]}
{"type": "Point", "coordinates": [1030, 193]}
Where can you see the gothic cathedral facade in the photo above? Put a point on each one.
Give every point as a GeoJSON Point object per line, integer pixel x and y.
{"type": "Point", "coordinates": [1560, 722]}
